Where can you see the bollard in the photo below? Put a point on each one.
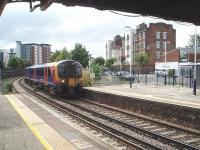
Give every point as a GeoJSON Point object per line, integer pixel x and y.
{"type": "Point", "coordinates": [145, 78]}
{"type": "Point", "coordinates": [190, 78]}
{"type": "Point", "coordinates": [182, 80]}
{"type": "Point", "coordinates": [156, 80]}
{"type": "Point", "coordinates": [130, 83]}
{"type": "Point", "coordinates": [194, 89]}
{"type": "Point", "coordinates": [165, 80]}
{"type": "Point", "coordinates": [173, 80]}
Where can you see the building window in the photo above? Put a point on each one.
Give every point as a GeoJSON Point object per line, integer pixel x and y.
{"type": "Point", "coordinates": [127, 47]}
{"type": "Point", "coordinates": [127, 37]}
{"type": "Point", "coordinates": [143, 45]}
{"type": "Point", "coordinates": [136, 37]}
{"type": "Point", "coordinates": [164, 45]}
{"type": "Point", "coordinates": [164, 35]}
{"type": "Point", "coordinates": [112, 53]}
{"type": "Point", "coordinates": [157, 35]}
{"type": "Point", "coordinates": [143, 35]}
{"type": "Point", "coordinates": [157, 44]}
{"type": "Point", "coordinates": [139, 46]}
{"type": "Point", "coordinates": [140, 36]}
{"type": "Point", "coordinates": [157, 55]}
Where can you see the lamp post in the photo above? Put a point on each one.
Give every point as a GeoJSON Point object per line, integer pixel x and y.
{"type": "Point", "coordinates": [166, 50]}
{"type": "Point", "coordinates": [195, 60]}
{"type": "Point", "coordinates": [120, 55]}
{"type": "Point", "coordinates": [131, 49]}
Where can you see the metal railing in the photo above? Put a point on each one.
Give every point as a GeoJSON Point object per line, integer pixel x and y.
{"type": "Point", "coordinates": [184, 78]}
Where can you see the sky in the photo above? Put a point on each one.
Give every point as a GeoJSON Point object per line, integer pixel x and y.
{"type": "Point", "coordinates": [63, 26]}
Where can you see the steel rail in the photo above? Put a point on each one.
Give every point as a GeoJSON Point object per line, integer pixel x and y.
{"type": "Point", "coordinates": [136, 128]}
{"type": "Point", "coordinates": [102, 127]}
{"type": "Point", "coordinates": [194, 131]}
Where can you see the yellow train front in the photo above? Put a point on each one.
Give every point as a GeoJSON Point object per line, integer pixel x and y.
{"type": "Point", "coordinates": [62, 77]}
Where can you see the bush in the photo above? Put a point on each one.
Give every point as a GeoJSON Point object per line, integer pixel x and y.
{"type": "Point", "coordinates": [87, 81]}
{"type": "Point", "coordinates": [98, 71]}
{"type": "Point", "coordinates": [7, 86]}
{"type": "Point", "coordinates": [171, 72]}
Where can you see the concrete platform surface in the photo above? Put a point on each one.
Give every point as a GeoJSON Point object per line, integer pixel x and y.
{"type": "Point", "coordinates": [26, 124]}
{"type": "Point", "coordinates": [167, 94]}
{"type": "Point", "coordinates": [14, 133]}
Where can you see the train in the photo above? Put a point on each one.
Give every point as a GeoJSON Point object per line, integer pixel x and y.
{"type": "Point", "coordinates": [62, 77]}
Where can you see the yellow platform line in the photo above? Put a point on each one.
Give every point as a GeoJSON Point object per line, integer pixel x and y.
{"type": "Point", "coordinates": [48, 137]}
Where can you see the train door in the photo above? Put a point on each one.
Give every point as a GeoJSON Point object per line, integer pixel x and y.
{"type": "Point", "coordinates": [46, 75]}
{"type": "Point", "coordinates": [34, 74]}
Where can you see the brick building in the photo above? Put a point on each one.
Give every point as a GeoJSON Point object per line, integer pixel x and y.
{"type": "Point", "coordinates": [187, 54]}
{"type": "Point", "coordinates": [36, 53]}
{"type": "Point", "coordinates": [171, 56]}
{"type": "Point", "coordinates": [46, 52]}
{"type": "Point", "coordinates": [181, 55]}
{"type": "Point", "coordinates": [153, 39]}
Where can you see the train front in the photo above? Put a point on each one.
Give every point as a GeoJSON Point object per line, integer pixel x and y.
{"type": "Point", "coordinates": [70, 77]}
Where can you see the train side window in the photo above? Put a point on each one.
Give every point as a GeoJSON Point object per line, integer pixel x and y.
{"type": "Point", "coordinates": [42, 71]}
{"type": "Point", "coordinates": [61, 70]}
{"type": "Point", "coordinates": [49, 72]}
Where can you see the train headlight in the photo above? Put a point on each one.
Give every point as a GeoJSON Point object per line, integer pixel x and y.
{"type": "Point", "coordinates": [63, 81]}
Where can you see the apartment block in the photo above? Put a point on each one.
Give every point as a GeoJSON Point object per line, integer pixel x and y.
{"type": "Point", "coordinates": [154, 40]}
{"type": "Point", "coordinates": [36, 53]}
{"type": "Point", "coordinates": [129, 41]}
{"type": "Point", "coordinates": [1, 56]}
{"type": "Point", "coordinates": [114, 48]}
{"type": "Point", "coordinates": [46, 52]}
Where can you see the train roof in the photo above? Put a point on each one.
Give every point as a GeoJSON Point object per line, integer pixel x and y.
{"type": "Point", "coordinates": [50, 64]}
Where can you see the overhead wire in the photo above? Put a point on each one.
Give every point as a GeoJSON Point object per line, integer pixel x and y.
{"type": "Point", "coordinates": [178, 22]}
{"type": "Point", "coordinates": [124, 14]}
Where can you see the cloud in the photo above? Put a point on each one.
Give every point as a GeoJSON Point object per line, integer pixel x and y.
{"type": "Point", "coordinates": [64, 26]}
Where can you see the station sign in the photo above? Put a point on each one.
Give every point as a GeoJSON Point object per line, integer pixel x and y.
{"type": "Point", "coordinates": [166, 65]}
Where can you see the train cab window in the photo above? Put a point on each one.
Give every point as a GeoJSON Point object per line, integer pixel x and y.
{"type": "Point", "coordinates": [78, 71]}
{"type": "Point", "coordinates": [69, 69]}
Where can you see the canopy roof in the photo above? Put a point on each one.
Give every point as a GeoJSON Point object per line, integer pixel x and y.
{"type": "Point", "coordinates": [179, 10]}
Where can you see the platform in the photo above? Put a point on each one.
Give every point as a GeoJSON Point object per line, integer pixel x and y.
{"type": "Point", "coordinates": [14, 133]}
{"type": "Point", "coordinates": [27, 124]}
{"type": "Point", "coordinates": [166, 94]}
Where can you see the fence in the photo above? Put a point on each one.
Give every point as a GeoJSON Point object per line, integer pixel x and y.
{"type": "Point", "coordinates": [182, 77]}
{"type": "Point", "coordinates": [10, 73]}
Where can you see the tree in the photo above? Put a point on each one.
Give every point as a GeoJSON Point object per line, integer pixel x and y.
{"type": "Point", "coordinates": [60, 55]}
{"type": "Point", "coordinates": [99, 61]}
{"type": "Point", "coordinates": [1, 65]}
{"type": "Point", "coordinates": [97, 69]}
{"type": "Point", "coordinates": [55, 56]}
{"type": "Point", "coordinates": [28, 63]}
{"type": "Point", "coordinates": [141, 59]}
{"type": "Point", "coordinates": [18, 63]}
{"type": "Point", "coordinates": [109, 63]}
{"type": "Point", "coordinates": [191, 41]}
{"type": "Point", "coordinates": [13, 63]}
{"type": "Point", "coordinates": [80, 54]}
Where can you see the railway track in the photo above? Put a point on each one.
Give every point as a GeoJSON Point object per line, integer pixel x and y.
{"type": "Point", "coordinates": [174, 135]}
{"type": "Point", "coordinates": [134, 131]}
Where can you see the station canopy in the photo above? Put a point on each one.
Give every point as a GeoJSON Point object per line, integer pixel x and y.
{"type": "Point", "coordinates": [177, 10]}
